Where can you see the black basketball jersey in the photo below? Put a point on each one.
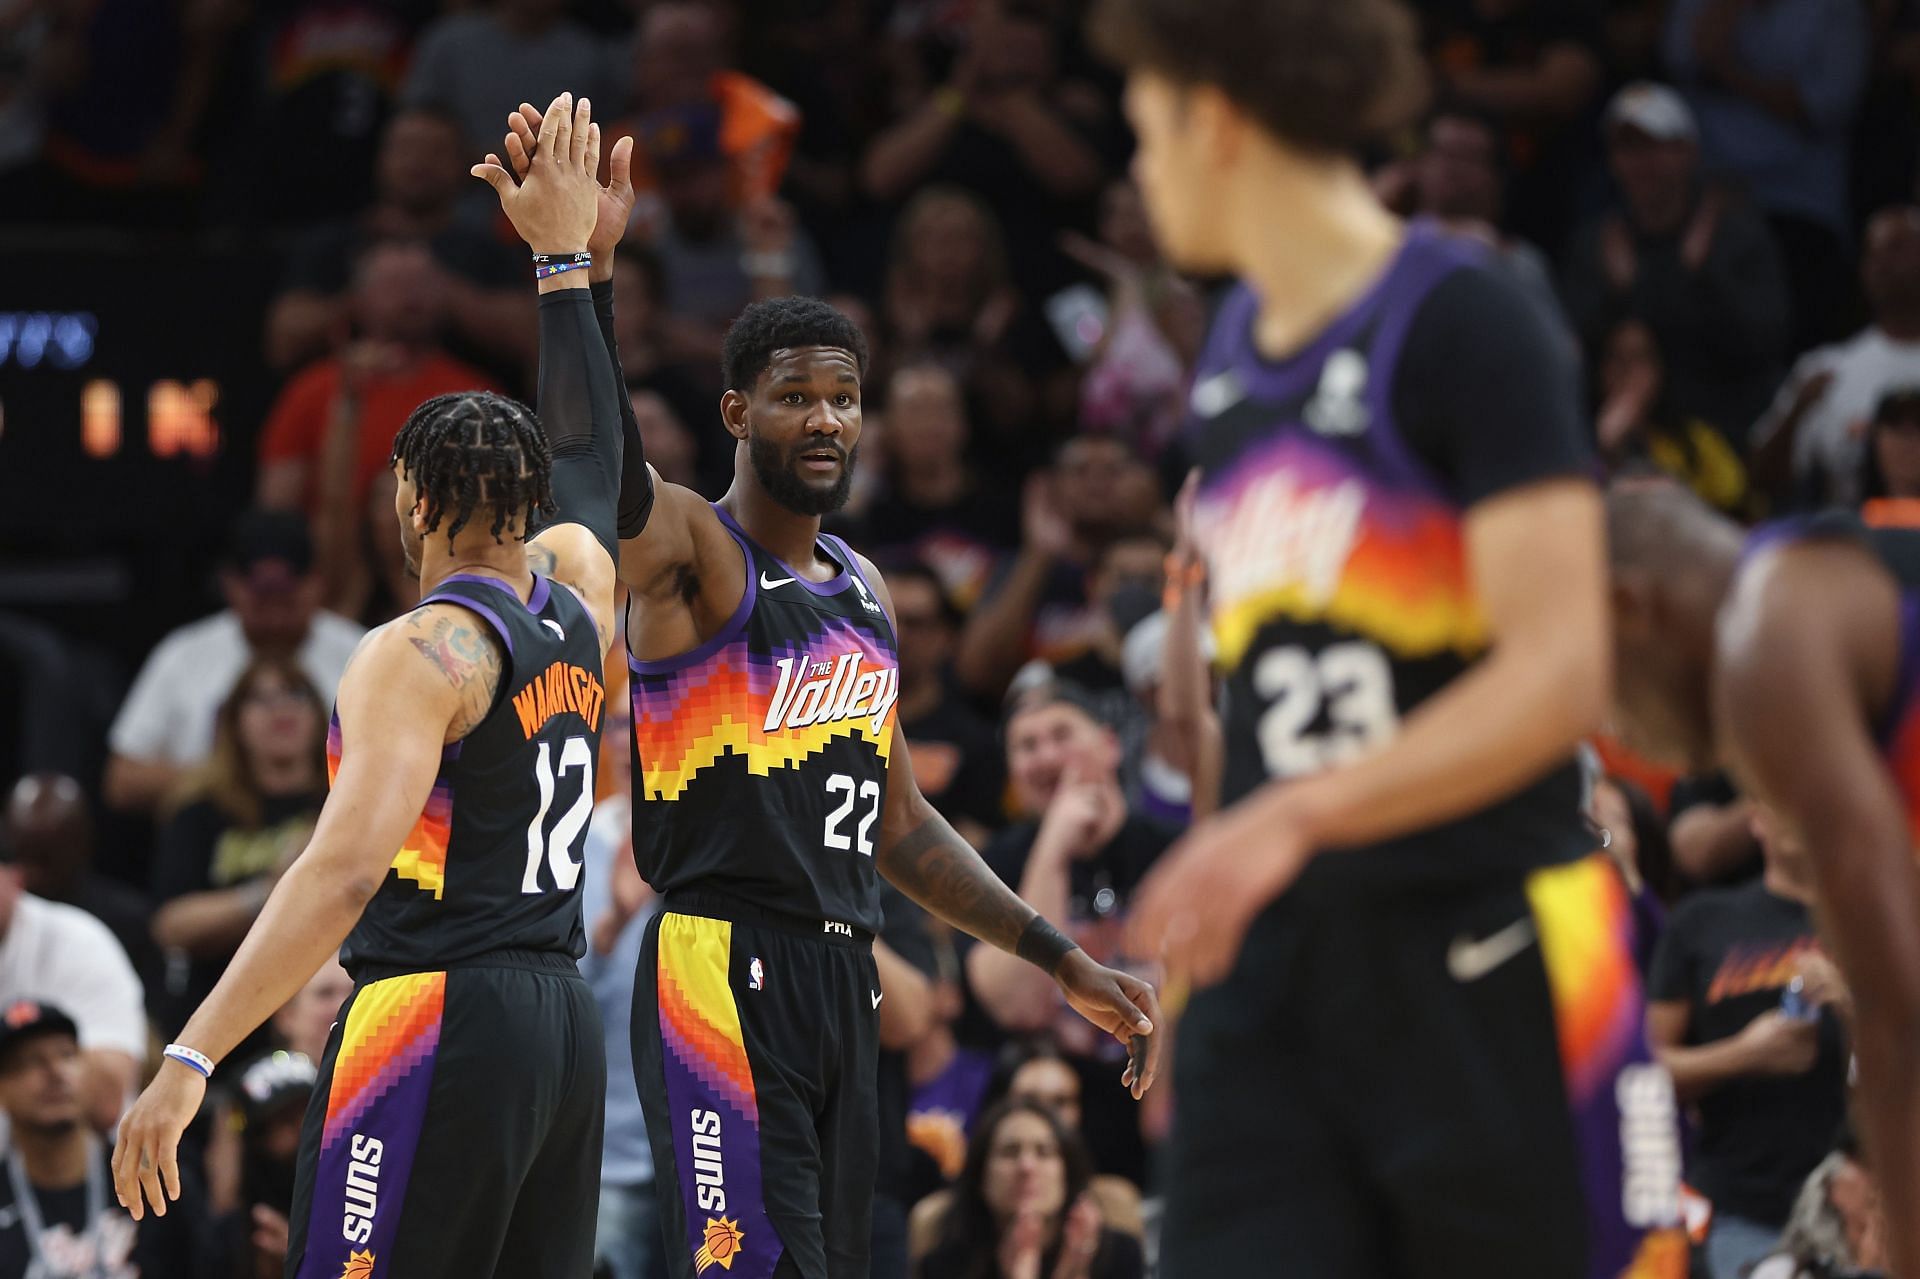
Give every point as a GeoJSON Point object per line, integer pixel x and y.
{"type": "Point", "coordinates": [760, 757]}
{"type": "Point", "coordinates": [1338, 578]}
{"type": "Point", "coordinates": [494, 861]}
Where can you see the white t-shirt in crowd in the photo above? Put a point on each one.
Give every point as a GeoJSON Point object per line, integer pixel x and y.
{"type": "Point", "coordinates": [60, 955]}
{"type": "Point", "coordinates": [1833, 436]}
{"type": "Point", "coordinates": [169, 713]}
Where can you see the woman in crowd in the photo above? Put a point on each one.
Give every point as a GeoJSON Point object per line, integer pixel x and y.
{"type": "Point", "coordinates": [237, 823]}
{"type": "Point", "coordinates": [1021, 1210]}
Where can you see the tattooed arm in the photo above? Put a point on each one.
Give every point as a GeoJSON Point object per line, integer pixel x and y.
{"type": "Point", "coordinates": [416, 684]}
{"type": "Point", "coordinates": [925, 858]}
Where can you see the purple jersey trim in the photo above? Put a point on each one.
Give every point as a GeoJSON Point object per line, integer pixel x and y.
{"type": "Point", "coordinates": [721, 638]}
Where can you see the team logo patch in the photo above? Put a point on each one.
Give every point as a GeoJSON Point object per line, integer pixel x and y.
{"type": "Point", "coordinates": [359, 1266]}
{"type": "Point", "coordinates": [722, 1244]}
{"type": "Point", "coordinates": [756, 975]}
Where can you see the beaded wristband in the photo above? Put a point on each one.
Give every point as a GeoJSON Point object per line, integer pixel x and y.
{"type": "Point", "coordinates": [188, 1057]}
{"type": "Point", "coordinates": [558, 268]}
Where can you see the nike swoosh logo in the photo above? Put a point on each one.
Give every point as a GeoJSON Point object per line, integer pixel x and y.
{"type": "Point", "coordinates": [878, 995]}
{"type": "Point", "coordinates": [553, 626]}
{"type": "Point", "coordinates": [1470, 960]}
{"type": "Point", "coordinates": [768, 583]}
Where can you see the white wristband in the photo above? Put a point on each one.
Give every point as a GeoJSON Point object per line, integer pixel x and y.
{"type": "Point", "coordinates": [188, 1057]}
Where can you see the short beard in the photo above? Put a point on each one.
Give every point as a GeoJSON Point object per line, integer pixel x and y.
{"type": "Point", "coordinates": [775, 471]}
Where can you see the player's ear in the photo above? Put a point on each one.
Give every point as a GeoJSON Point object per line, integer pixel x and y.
{"type": "Point", "coordinates": [733, 412]}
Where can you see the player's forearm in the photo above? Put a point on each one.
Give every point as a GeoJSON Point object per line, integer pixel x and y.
{"type": "Point", "coordinates": [580, 411]}
{"type": "Point", "coordinates": [1699, 1070]}
{"type": "Point", "coordinates": [308, 915]}
{"type": "Point", "coordinates": [1491, 732]}
{"type": "Point", "coordinates": [994, 642]}
{"type": "Point", "coordinates": [941, 871]}
{"type": "Point", "coordinates": [636, 480]}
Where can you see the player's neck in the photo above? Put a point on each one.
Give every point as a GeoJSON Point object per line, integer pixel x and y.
{"type": "Point", "coordinates": [55, 1158]}
{"type": "Point", "coordinates": [790, 535]}
{"type": "Point", "coordinates": [1309, 237]}
{"type": "Point", "coordinates": [506, 560]}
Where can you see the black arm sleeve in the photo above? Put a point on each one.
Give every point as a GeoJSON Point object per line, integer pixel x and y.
{"type": "Point", "coordinates": [636, 484]}
{"type": "Point", "coordinates": [1483, 394]}
{"type": "Point", "coordinates": [578, 408]}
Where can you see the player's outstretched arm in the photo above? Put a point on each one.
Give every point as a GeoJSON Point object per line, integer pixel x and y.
{"type": "Point", "coordinates": [553, 203]}
{"type": "Point", "coordinates": [1789, 695]}
{"type": "Point", "coordinates": [928, 860]}
{"type": "Point", "coordinates": [415, 683]}
{"type": "Point", "coordinates": [1537, 557]}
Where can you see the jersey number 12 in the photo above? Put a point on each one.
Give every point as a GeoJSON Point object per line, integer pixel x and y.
{"type": "Point", "coordinates": [557, 849]}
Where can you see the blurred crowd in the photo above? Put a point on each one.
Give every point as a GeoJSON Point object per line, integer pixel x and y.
{"type": "Point", "coordinates": [1713, 203]}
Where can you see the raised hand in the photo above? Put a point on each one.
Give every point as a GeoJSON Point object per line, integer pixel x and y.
{"type": "Point", "coordinates": [554, 208]}
{"type": "Point", "coordinates": [612, 214]}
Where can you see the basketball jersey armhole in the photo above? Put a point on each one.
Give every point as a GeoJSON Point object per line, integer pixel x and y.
{"type": "Point", "coordinates": [720, 638]}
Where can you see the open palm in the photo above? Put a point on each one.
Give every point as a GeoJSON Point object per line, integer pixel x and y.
{"type": "Point", "coordinates": [615, 209]}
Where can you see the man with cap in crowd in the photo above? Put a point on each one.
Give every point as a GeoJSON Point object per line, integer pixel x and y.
{"type": "Point", "coordinates": [58, 1218]}
{"type": "Point", "coordinates": [273, 606]}
{"type": "Point", "coordinates": [1693, 262]}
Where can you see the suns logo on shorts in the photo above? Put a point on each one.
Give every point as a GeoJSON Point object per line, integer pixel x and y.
{"type": "Point", "coordinates": [359, 1266]}
{"type": "Point", "coordinates": [722, 1244]}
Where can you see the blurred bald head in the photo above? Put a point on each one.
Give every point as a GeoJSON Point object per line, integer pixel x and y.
{"type": "Point", "coordinates": [48, 833]}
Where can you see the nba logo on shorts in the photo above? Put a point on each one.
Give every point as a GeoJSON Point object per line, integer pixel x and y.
{"type": "Point", "coordinates": [756, 976]}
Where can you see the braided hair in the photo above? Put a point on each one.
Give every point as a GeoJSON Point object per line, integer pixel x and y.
{"type": "Point", "coordinates": [470, 449]}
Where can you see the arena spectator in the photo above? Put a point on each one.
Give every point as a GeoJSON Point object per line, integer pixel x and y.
{"type": "Point", "coordinates": [47, 833]}
{"type": "Point", "coordinates": [1534, 67]}
{"type": "Point", "coordinates": [1041, 1075]}
{"type": "Point", "coordinates": [1891, 463]}
{"type": "Point", "coordinates": [1692, 261]}
{"type": "Point", "coordinates": [1076, 856]}
{"type": "Point", "coordinates": [1151, 329]}
{"type": "Point", "coordinates": [904, 961]}
{"type": "Point", "coordinates": [1637, 420]}
{"type": "Point", "coordinates": [681, 73]}
{"type": "Point", "coordinates": [935, 505]}
{"type": "Point", "coordinates": [955, 752]}
{"type": "Point", "coordinates": [1123, 588]}
{"type": "Point", "coordinates": [951, 299]}
{"type": "Point", "coordinates": [50, 951]}
{"type": "Point", "coordinates": [1710, 825]}
{"type": "Point", "coordinates": [950, 1080]}
{"type": "Point", "coordinates": [479, 285]}
{"type": "Point", "coordinates": [1021, 1207]}
{"type": "Point", "coordinates": [1007, 126]}
{"type": "Point", "coordinates": [482, 62]}
{"type": "Point", "coordinates": [166, 725]}
{"type": "Point", "coordinates": [1636, 838]}
{"type": "Point", "coordinates": [239, 820]}
{"type": "Point", "coordinates": [1158, 774]}
{"type": "Point", "coordinates": [716, 258]}
{"type": "Point", "coordinates": [1459, 181]}
{"type": "Point", "coordinates": [1837, 1227]}
{"type": "Point", "coordinates": [1810, 440]}
{"type": "Point", "coordinates": [1748, 1015]}
{"type": "Point", "coordinates": [58, 1218]}
{"type": "Point", "coordinates": [1776, 87]}
{"type": "Point", "coordinates": [1042, 605]}
{"type": "Point", "coordinates": [250, 1159]}
{"type": "Point", "coordinates": [616, 905]}
{"type": "Point", "coordinates": [304, 1022]}
{"type": "Point", "coordinates": [328, 73]}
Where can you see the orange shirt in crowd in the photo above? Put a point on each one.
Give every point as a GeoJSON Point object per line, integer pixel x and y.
{"type": "Point", "coordinates": [297, 427]}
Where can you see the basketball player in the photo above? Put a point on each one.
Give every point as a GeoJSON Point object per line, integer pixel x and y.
{"type": "Point", "coordinates": [1791, 657]}
{"type": "Point", "coordinates": [1415, 1018]}
{"type": "Point", "coordinates": [455, 1130]}
{"type": "Point", "coordinates": [771, 788]}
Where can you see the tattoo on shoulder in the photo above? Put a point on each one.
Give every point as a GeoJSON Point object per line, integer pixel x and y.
{"type": "Point", "coordinates": [542, 561]}
{"type": "Point", "coordinates": [468, 659]}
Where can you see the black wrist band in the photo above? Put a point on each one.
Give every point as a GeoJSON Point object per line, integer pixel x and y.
{"type": "Point", "coordinates": [554, 259]}
{"type": "Point", "coordinates": [1043, 945]}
